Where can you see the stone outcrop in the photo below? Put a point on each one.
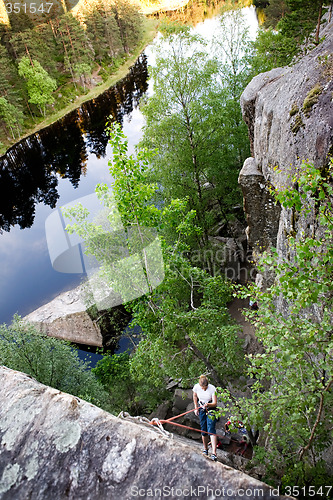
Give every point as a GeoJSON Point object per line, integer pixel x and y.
{"type": "Point", "coordinates": [289, 113]}
{"type": "Point", "coordinates": [65, 317]}
{"type": "Point", "coordinates": [57, 446]}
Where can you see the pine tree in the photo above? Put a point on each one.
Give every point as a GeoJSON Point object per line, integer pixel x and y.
{"type": "Point", "coordinates": [129, 23]}
{"type": "Point", "coordinates": [37, 43]}
{"type": "Point", "coordinates": [303, 17]}
{"type": "Point", "coordinates": [77, 47]}
{"type": "Point", "coordinates": [104, 32]}
{"type": "Point", "coordinates": [12, 117]}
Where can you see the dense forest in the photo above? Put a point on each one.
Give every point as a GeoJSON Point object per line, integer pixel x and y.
{"type": "Point", "coordinates": [289, 27]}
{"type": "Point", "coordinates": [45, 65]}
{"type": "Point", "coordinates": [181, 184]}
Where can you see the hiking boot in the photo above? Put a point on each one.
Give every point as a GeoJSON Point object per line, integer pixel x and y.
{"type": "Point", "coordinates": [213, 457]}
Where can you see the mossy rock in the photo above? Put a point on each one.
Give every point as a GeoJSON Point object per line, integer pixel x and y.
{"type": "Point", "coordinates": [298, 123]}
{"type": "Point", "coordinates": [311, 99]}
{"type": "Point", "coordinates": [294, 109]}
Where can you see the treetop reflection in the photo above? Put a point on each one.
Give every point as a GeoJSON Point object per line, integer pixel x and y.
{"type": "Point", "coordinates": [28, 171]}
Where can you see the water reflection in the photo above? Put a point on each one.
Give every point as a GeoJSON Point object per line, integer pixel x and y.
{"type": "Point", "coordinates": [30, 170]}
{"type": "Point", "coordinates": [193, 12]}
{"type": "Point", "coordinates": [56, 166]}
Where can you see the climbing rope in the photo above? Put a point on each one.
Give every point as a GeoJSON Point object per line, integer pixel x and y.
{"type": "Point", "coordinates": [158, 424]}
{"type": "Point", "coordinates": [170, 421]}
{"type": "Point", "coordinates": [147, 422]}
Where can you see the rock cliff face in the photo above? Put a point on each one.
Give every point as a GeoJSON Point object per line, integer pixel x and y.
{"type": "Point", "coordinates": [289, 113]}
{"type": "Point", "coordinates": [56, 446]}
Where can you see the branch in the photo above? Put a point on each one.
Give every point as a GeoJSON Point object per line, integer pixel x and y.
{"type": "Point", "coordinates": [320, 410]}
{"type": "Point", "coordinates": [206, 361]}
{"type": "Point", "coordinates": [191, 285]}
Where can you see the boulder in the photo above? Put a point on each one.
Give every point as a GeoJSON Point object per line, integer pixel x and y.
{"type": "Point", "coordinates": [54, 445]}
{"type": "Point", "coordinates": [65, 317]}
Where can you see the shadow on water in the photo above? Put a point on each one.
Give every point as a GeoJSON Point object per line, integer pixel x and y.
{"type": "Point", "coordinates": [126, 342]}
{"type": "Point", "coordinates": [30, 170]}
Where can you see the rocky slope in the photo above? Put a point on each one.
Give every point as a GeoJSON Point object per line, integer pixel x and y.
{"type": "Point", "coordinates": [289, 113]}
{"type": "Point", "coordinates": [57, 446]}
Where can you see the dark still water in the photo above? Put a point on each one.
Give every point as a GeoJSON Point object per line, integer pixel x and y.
{"type": "Point", "coordinates": [47, 170]}
{"type": "Point", "coordinates": [56, 166]}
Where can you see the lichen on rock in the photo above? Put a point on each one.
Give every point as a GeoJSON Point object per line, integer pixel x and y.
{"type": "Point", "coordinates": [302, 93]}
{"type": "Point", "coordinates": [94, 455]}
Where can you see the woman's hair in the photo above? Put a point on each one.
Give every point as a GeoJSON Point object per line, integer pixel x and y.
{"type": "Point", "coordinates": [203, 380]}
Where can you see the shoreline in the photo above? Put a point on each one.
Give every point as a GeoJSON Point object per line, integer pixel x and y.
{"type": "Point", "coordinates": [166, 6]}
{"type": "Point", "coordinates": [149, 33]}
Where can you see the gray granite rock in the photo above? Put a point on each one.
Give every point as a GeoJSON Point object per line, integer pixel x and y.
{"type": "Point", "coordinates": [286, 125]}
{"type": "Point", "coordinates": [65, 317]}
{"type": "Point", "coordinates": [56, 446]}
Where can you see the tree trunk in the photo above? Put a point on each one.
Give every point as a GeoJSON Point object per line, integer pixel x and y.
{"type": "Point", "coordinates": [318, 24]}
{"type": "Point", "coordinates": [215, 376]}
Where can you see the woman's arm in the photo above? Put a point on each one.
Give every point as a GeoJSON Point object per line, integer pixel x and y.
{"type": "Point", "coordinates": [195, 401]}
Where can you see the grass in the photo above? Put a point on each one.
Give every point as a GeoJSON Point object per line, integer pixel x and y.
{"type": "Point", "coordinates": [149, 33]}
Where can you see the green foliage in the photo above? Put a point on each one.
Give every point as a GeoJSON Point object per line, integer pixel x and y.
{"type": "Point", "coordinates": [233, 47]}
{"type": "Point", "coordinates": [129, 22]}
{"type": "Point", "coordinates": [104, 32]}
{"type": "Point", "coordinates": [312, 479]}
{"type": "Point", "coordinates": [274, 12]}
{"type": "Point", "coordinates": [40, 43]}
{"type": "Point", "coordinates": [12, 116]}
{"type": "Point", "coordinates": [194, 120]}
{"type": "Point", "coordinates": [291, 26]}
{"type": "Point", "coordinates": [39, 84]}
{"type": "Point", "coordinates": [273, 50]}
{"type": "Point", "coordinates": [292, 393]}
{"type": "Point", "coordinates": [82, 71]}
{"type": "Point", "coordinates": [112, 369]}
{"type": "Point", "coordinates": [301, 19]}
{"type": "Point", "coordinates": [261, 3]}
{"type": "Point", "coordinates": [51, 361]}
{"type": "Point", "coordinates": [185, 325]}
{"type": "Point", "coordinates": [64, 47]}
{"type": "Point", "coordinates": [126, 391]}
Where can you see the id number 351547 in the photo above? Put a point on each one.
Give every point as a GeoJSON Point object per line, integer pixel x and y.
{"type": "Point", "coordinates": [309, 491]}
{"type": "Point", "coordinates": [28, 7]}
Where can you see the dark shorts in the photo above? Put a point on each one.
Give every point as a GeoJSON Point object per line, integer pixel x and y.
{"type": "Point", "coordinates": [207, 422]}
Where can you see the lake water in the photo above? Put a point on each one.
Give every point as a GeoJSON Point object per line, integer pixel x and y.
{"type": "Point", "coordinates": [54, 167]}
